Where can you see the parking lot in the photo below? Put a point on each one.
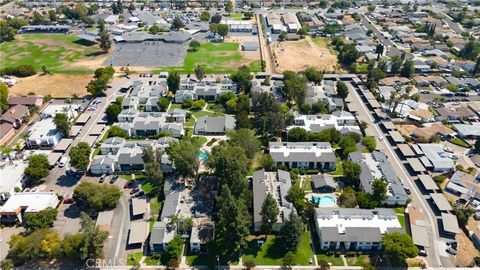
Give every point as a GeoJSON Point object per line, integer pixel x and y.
{"type": "Point", "coordinates": [147, 54]}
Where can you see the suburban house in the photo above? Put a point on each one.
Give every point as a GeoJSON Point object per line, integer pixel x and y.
{"type": "Point", "coordinates": [16, 115]}
{"type": "Point", "coordinates": [214, 126]}
{"type": "Point", "coordinates": [277, 184]}
{"type": "Point", "coordinates": [468, 131]}
{"type": "Point", "coordinates": [354, 229]}
{"type": "Point", "coordinates": [6, 132]}
{"type": "Point", "coordinates": [21, 203]}
{"type": "Point", "coordinates": [374, 166]}
{"type": "Point", "coordinates": [323, 183]}
{"type": "Point", "coordinates": [43, 134]}
{"type": "Point", "coordinates": [303, 155]}
{"type": "Point", "coordinates": [463, 185]}
{"type": "Point", "coordinates": [29, 101]}
{"type": "Point", "coordinates": [342, 121]}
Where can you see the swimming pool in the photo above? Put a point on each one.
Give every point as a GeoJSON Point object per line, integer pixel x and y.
{"type": "Point", "coordinates": [323, 201]}
{"type": "Point", "coordinates": [203, 155]}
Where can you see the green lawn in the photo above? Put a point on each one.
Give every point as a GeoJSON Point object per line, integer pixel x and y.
{"type": "Point", "coordinates": [236, 16]}
{"type": "Point", "coordinates": [334, 260]}
{"type": "Point", "coordinates": [57, 51]}
{"type": "Point", "coordinates": [272, 252]}
{"type": "Point", "coordinates": [215, 58]}
{"type": "Point", "coordinates": [151, 261]}
{"type": "Point", "coordinates": [134, 258]}
{"type": "Point", "coordinates": [401, 216]}
{"type": "Point", "coordinates": [339, 167]}
{"type": "Point", "coordinates": [459, 142]}
{"type": "Point", "coordinates": [307, 184]}
{"type": "Point", "coordinates": [362, 68]}
{"type": "Point", "coordinates": [360, 260]}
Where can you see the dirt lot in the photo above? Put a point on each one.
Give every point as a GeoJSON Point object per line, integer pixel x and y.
{"type": "Point", "coordinates": [298, 55]}
{"type": "Point", "coordinates": [58, 85]}
{"type": "Point", "coordinates": [405, 130]}
{"type": "Point", "coordinates": [466, 251]}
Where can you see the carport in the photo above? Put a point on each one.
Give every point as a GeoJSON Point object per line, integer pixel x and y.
{"type": "Point", "coordinates": [74, 131]}
{"type": "Point", "coordinates": [91, 140]}
{"type": "Point", "coordinates": [63, 145]}
{"type": "Point", "coordinates": [450, 223]}
{"type": "Point", "coordinates": [396, 136]}
{"type": "Point", "coordinates": [97, 130]}
{"type": "Point", "coordinates": [406, 150]}
{"type": "Point", "coordinates": [416, 165]}
{"type": "Point", "coordinates": [419, 235]}
{"type": "Point", "coordinates": [53, 157]}
{"type": "Point", "coordinates": [139, 206]}
{"type": "Point", "coordinates": [82, 119]}
{"type": "Point", "coordinates": [138, 233]}
{"type": "Point", "coordinates": [427, 182]}
{"type": "Point", "coordinates": [441, 202]}
{"type": "Point", "coordinates": [388, 125]}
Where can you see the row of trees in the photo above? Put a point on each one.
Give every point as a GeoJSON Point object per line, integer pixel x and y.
{"type": "Point", "coordinates": [99, 84]}
{"type": "Point", "coordinates": [47, 244]}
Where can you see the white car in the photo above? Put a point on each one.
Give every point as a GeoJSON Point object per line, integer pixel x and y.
{"type": "Point", "coordinates": [446, 149]}
{"type": "Point", "coordinates": [62, 162]}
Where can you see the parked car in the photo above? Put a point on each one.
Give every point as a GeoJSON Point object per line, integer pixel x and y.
{"type": "Point", "coordinates": [62, 162]}
{"type": "Point", "coordinates": [113, 179]}
{"type": "Point", "coordinates": [407, 190]}
{"type": "Point", "coordinates": [423, 253]}
{"type": "Point", "coordinates": [140, 193]}
{"type": "Point", "coordinates": [446, 149]}
{"type": "Point", "coordinates": [452, 251]}
{"type": "Point", "coordinates": [102, 178]}
{"type": "Point", "coordinates": [454, 157]}
{"type": "Point", "coordinates": [135, 190]}
{"type": "Point", "coordinates": [68, 201]}
{"type": "Point", "coordinates": [127, 185]}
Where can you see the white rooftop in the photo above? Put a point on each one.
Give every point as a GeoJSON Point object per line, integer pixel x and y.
{"type": "Point", "coordinates": [10, 175]}
{"type": "Point", "coordinates": [30, 201]}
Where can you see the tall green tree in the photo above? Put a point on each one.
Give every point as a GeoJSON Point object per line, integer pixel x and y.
{"type": "Point", "coordinates": [153, 173]}
{"type": "Point", "coordinates": [97, 197]}
{"type": "Point", "coordinates": [3, 97]}
{"type": "Point", "coordinates": [112, 112]}
{"type": "Point", "coordinates": [222, 30]}
{"type": "Point", "coordinates": [194, 45]}
{"type": "Point", "coordinates": [40, 220]}
{"type": "Point", "coordinates": [408, 69]}
{"type": "Point", "coordinates": [399, 245]}
{"type": "Point", "coordinates": [94, 238]}
{"type": "Point", "coordinates": [297, 134]}
{"type": "Point", "coordinates": [229, 7]}
{"type": "Point", "coordinates": [291, 232]}
{"type": "Point", "coordinates": [80, 156]}
{"type": "Point", "coordinates": [313, 75]}
{"type": "Point", "coordinates": [296, 195]}
{"type": "Point", "coordinates": [379, 187]}
{"type": "Point", "coordinates": [269, 213]}
{"type": "Point", "coordinates": [199, 72]}
{"type": "Point", "coordinates": [243, 79]}
{"type": "Point", "coordinates": [295, 87]}
{"type": "Point", "coordinates": [7, 33]}
{"type": "Point", "coordinates": [246, 139]}
{"type": "Point", "coordinates": [232, 222]}
{"type": "Point", "coordinates": [105, 41]}
{"type": "Point", "coordinates": [230, 166]}
{"type": "Point", "coordinates": [342, 90]}
{"type": "Point", "coordinates": [205, 16]}
{"type": "Point", "coordinates": [173, 81]}
{"type": "Point", "coordinates": [62, 124]}
{"type": "Point", "coordinates": [39, 245]}
{"type": "Point", "coordinates": [352, 173]}
{"type": "Point", "coordinates": [185, 157]}
{"type": "Point", "coordinates": [177, 24]}
{"type": "Point", "coordinates": [37, 168]}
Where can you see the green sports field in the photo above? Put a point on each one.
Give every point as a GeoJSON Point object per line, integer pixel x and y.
{"type": "Point", "coordinates": [59, 52]}
{"type": "Point", "coordinates": [215, 58]}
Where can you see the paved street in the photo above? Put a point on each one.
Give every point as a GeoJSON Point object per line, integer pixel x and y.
{"type": "Point", "coordinates": [373, 129]}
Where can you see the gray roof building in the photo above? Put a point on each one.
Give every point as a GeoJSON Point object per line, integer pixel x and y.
{"type": "Point", "coordinates": [214, 125]}
{"type": "Point", "coordinates": [276, 183]}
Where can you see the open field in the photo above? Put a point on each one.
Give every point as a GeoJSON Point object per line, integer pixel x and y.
{"type": "Point", "coordinates": [216, 58]}
{"type": "Point", "coordinates": [58, 85]}
{"type": "Point", "coordinates": [298, 55]}
{"type": "Point", "coordinates": [61, 53]}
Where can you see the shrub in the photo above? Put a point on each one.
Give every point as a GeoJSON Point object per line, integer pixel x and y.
{"type": "Point", "coordinates": [19, 71]}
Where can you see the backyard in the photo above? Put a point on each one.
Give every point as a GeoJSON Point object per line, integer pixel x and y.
{"type": "Point", "coordinates": [272, 251]}
{"type": "Point", "coordinates": [65, 54]}
{"type": "Point", "coordinates": [216, 58]}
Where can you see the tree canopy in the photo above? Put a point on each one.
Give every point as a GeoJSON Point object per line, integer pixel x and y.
{"type": "Point", "coordinates": [185, 157]}
{"type": "Point", "coordinates": [291, 232]}
{"type": "Point", "coordinates": [37, 167]}
{"type": "Point", "coordinates": [269, 213]}
{"type": "Point", "coordinates": [62, 124]}
{"type": "Point", "coordinates": [40, 220]}
{"type": "Point", "coordinates": [399, 245]}
{"type": "Point", "coordinates": [173, 81]}
{"type": "Point", "coordinates": [97, 197]}
{"type": "Point", "coordinates": [246, 139]}
{"type": "Point", "coordinates": [80, 156]}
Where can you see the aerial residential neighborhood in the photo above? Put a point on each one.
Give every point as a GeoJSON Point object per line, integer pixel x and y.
{"type": "Point", "coordinates": [239, 134]}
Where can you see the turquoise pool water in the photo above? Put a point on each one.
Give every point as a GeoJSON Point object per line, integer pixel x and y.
{"type": "Point", "coordinates": [323, 201]}
{"type": "Point", "coordinates": [203, 155]}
